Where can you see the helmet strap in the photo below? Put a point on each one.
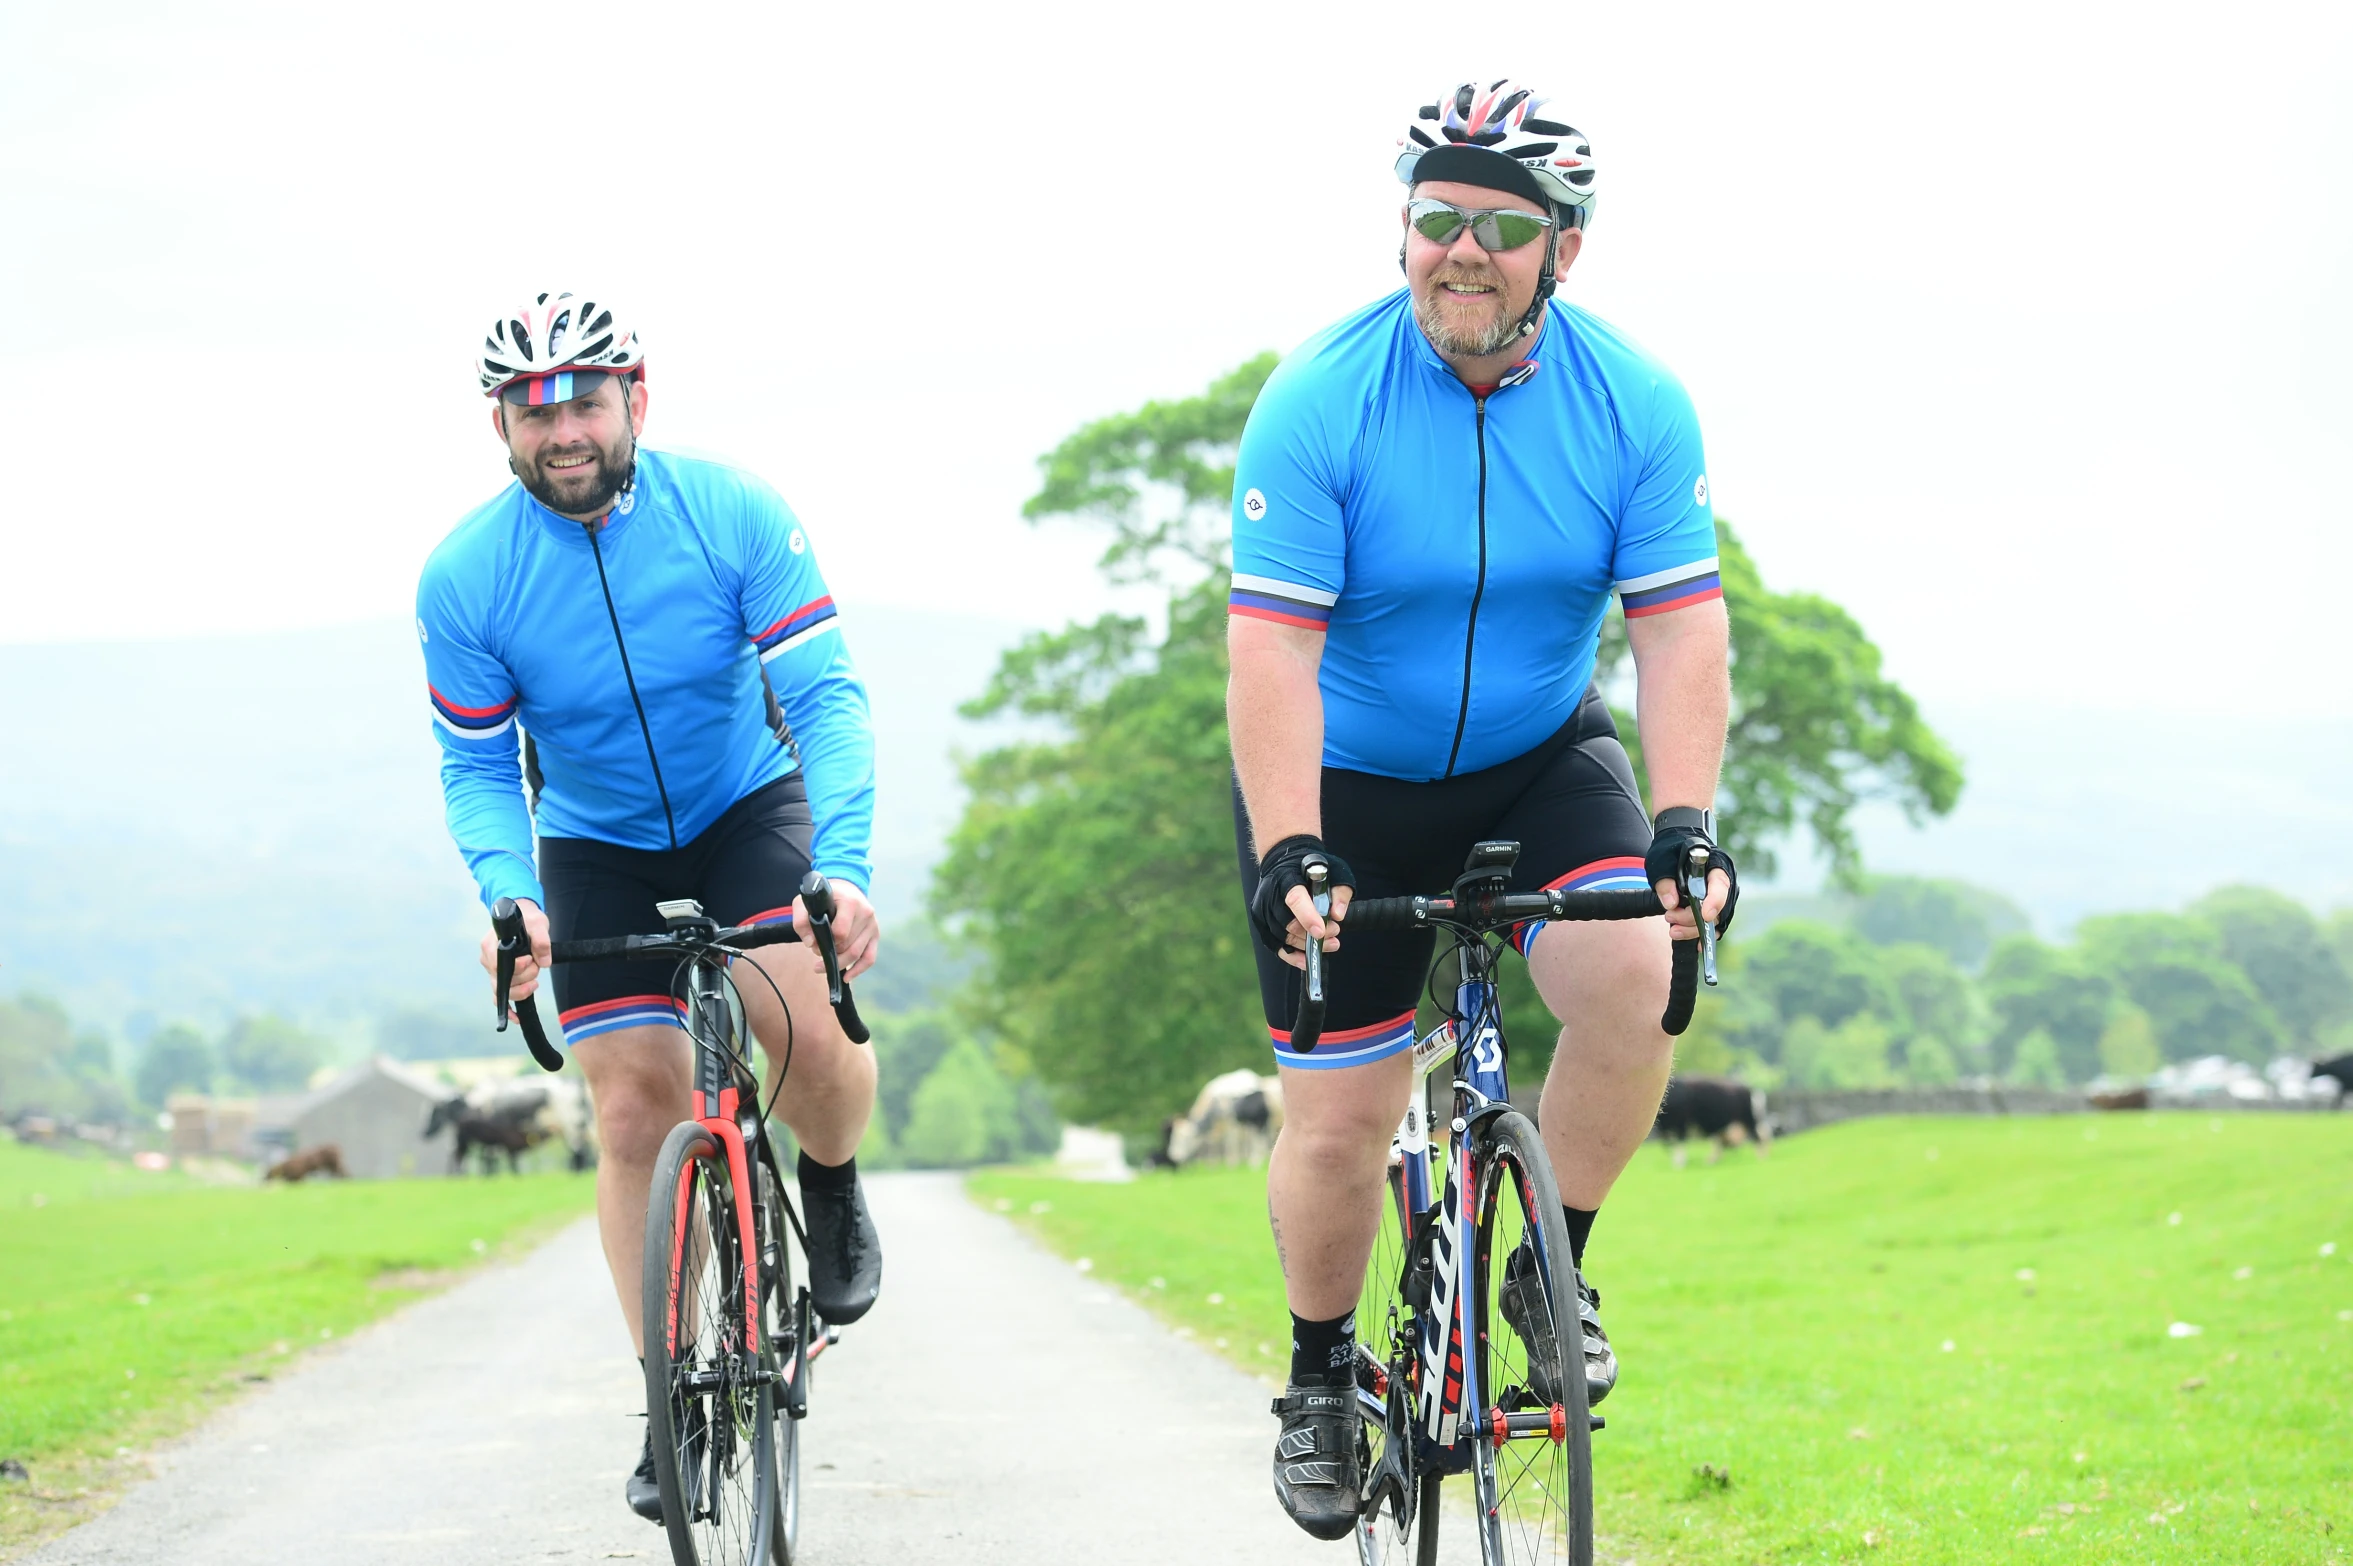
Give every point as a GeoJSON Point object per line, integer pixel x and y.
{"type": "Point", "coordinates": [1546, 278]}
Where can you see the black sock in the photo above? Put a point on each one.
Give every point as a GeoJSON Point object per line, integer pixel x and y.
{"type": "Point", "coordinates": [1580, 1230]}
{"type": "Point", "coordinates": [828, 1177]}
{"type": "Point", "coordinates": [1323, 1353]}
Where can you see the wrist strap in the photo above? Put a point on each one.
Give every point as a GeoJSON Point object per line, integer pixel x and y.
{"type": "Point", "coordinates": [1676, 816]}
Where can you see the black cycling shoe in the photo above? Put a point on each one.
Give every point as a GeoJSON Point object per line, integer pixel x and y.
{"type": "Point", "coordinates": [1522, 1298]}
{"type": "Point", "coordinates": [644, 1493]}
{"type": "Point", "coordinates": [845, 1252]}
{"type": "Point", "coordinates": [1319, 1459]}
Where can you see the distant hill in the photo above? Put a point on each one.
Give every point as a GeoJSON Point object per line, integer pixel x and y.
{"type": "Point", "coordinates": [191, 827]}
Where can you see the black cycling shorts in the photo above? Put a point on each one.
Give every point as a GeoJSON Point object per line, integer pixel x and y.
{"type": "Point", "coordinates": [1571, 804]}
{"type": "Point", "coordinates": [745, 868]}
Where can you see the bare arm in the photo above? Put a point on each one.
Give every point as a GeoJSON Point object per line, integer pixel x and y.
{"type": "Point", "coordinates": [1682, 701]}
{"type": "Point", "coordinates": [1275, 713]}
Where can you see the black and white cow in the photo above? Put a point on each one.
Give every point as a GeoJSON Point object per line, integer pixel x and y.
{"type": "Point", "coordinates": [1714, 1107]}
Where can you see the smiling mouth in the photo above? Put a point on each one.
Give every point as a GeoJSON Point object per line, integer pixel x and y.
{"type": "Point", "coordinates": [568, 464]}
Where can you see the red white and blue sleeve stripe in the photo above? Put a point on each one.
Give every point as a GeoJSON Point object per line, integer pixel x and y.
{"type": "Point", "coordinates": [1678, 587]}
{"type": "Point", "coordinates": [1285, 603]}
{"type": "Point", "coordinates": [811, 620]}
{"type": "Point", "coordinates": [473, 723]}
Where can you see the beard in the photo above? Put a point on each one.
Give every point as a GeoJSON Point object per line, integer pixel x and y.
{"type": "Point", "coordinates": [1465, 330]}
{"type": "Point", "coordinates": [582, 491]}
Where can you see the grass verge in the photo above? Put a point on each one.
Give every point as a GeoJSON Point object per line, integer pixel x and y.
{"type": "Point", "coordinates": [2080, 1339]}
{"type": "Point", "coordinates": [132, 1303]}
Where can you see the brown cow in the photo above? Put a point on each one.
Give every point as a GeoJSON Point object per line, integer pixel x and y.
{"type": "Point", "coordinates": [326, 1159]}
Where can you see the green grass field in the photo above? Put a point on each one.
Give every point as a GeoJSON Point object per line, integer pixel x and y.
{"type": "Point", "coordinates": [1908, 1340]}
{"type": "Point", "coordinates": [131, 1302]}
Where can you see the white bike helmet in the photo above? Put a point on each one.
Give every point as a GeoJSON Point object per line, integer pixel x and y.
{"type": "Point", "coordinates": [1498, 136]}
{"type": "Point", "coordinates": [1472, 132]}
{"type": "Point", "coordinates": [556, 332]}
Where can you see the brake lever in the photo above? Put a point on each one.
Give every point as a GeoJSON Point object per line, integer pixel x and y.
{"type": "Point", "coordinates": [817, 897]}
{"type": "Point", "coordinates": [506, 920]}
{"type": "Point", "coordinates": [1695, 893]}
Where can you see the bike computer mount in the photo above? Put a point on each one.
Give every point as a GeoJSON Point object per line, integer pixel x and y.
{"type": "Point", "coordinates": [684, 913]}
{"type": "Point", "coordinates": [1488, 869]}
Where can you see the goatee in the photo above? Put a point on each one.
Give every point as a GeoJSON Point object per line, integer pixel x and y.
{"type": "Point", "coordinates": [580, 492]}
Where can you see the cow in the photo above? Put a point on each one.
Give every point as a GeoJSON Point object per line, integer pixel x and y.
{"type": "Point", "coordinates": [2338, 1069]}
{"type": "Point", "coordinates": [324, 1159]}
{"type": "Point", "coordinates": [513, 1116]}
{"type": "Point", "coordinates": [1715, 1107]}
{"type": "Point", "coordinates": [1234, 1120]}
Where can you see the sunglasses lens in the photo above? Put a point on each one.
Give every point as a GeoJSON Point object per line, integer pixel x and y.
{"type": "Point", "coordinates": [1507, 230]}
{"type": "Point", "coordinates": [1435, 223]}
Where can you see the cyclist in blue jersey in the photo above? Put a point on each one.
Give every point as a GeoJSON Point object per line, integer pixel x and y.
{"type": "Point", "coordinates": [1434, 500]}
{"type": "Point", "coordinates": [644, 642]}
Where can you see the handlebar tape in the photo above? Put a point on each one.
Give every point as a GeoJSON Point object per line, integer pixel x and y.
{"type": "Point", "coordinates": [506, 921]}
{"type": "Point", "coordinates": [1682, 988]}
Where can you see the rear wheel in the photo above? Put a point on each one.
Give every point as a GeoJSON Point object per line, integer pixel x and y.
{"type": "Point", "coordinates": [1533, 1476]}
{"type": "Point", "coordinates": [709, 1412]}
{"type": "Point", "coordinates": [1384, 1380]}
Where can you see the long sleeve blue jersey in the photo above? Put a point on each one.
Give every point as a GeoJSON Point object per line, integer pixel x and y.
{"type": "Point", "coordinates": [712, 587]}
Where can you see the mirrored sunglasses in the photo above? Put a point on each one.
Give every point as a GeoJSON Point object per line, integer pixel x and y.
{"type": "Point", "coordinates": [1440, 222]}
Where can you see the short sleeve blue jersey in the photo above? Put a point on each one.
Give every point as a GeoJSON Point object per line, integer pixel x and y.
{"type": "Point", "coordinates": [1458, 549]}
{"type": "Point", "coordinates": [714, 594]}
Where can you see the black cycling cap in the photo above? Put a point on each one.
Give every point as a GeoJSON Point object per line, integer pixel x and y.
{"type": "Point", "coordinates": [1479, 166]}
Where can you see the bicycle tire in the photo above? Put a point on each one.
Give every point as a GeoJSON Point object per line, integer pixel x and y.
{"type": "Point", "coordinates": [1385, 1344]}
{"type": "Point", "coordinates": [710, 1423]}
{"type": "Point", "coordinates": [779, 1343]}
{"type": "Point", "coordinates": [1535, 1494]}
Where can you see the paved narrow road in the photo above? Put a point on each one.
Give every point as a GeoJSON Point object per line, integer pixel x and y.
{"type": "Point", "coordinates": [995, 1407]}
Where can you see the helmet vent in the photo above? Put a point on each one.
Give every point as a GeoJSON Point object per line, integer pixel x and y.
{"type": "Point", "coordinates": [522, 339]}
{"type": "Point", "coordinates": [1548, 127]}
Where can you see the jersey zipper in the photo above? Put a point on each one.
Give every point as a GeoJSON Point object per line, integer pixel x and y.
{"type": "Point", "coordinates": [1470, 635]}
{"type": "Point", "coordinates": [643, 727]}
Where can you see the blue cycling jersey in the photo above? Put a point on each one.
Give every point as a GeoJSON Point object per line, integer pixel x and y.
{"type": "Point", "coordinates": [1458, 548]}
{"type": "Point", "coordinates": [713, 590]}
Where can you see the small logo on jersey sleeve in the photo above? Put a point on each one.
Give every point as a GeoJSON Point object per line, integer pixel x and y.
{"type": "Point", "coordinates": [1699, 490]}
{"type": "Point", "coordinates": [799, 542]}
{"type": "Point", "coordinates": [1254, 505]}
{"type": "Point", "coordinates": [421, 636]}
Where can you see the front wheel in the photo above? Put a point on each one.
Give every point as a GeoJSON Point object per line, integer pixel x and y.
{"type": "Point", "coordinates": [1532, 1439]}
{"type": "Point", "coordinates": [781, 1348]}
{"type": "Point", "coordinates": [709, 1411]}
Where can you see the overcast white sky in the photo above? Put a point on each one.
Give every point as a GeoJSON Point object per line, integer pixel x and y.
{"type": "Point", "coordinates": [2020, 329]}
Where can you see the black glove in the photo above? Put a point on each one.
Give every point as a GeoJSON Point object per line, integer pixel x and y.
{"type": "Point", "coordinates": [1679, 829]}
{"type": "Point", "coordinates": [1279, 869]}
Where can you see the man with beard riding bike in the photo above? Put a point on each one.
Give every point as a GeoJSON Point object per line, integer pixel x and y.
{"type": "Point", "coordinates": [655, 632]}
{"type": "Point", "coordinates": [1433, 502]}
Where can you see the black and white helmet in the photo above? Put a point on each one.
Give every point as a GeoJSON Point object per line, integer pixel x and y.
{"type": "Point", "coordinates": [1472, 124]}
{"type": "Point", "coordinates": [557, 331]}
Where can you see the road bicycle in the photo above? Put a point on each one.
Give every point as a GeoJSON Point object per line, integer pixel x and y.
{"type": "Point", "coordinates": [1469, 1350]}
{"type": "Point", "coordinates": [729, 1339]}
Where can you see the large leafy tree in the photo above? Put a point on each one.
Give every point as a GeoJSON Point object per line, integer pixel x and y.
{"type": "Point", "coordinates": [2173, 967]}
{"type": "Point", "coordinates": [2032, 988]}
{"type": "Point", "coordinates": [2285, 954]}
{"type": "Point", "coordinates": [1095, 868]}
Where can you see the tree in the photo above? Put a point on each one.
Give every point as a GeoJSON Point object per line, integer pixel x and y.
{"type": "Point", "coordinates": [425, 1033]}
{"type": "Point", "coordinates": [967, 1112]}
{"type": "Point", "coordinates": [47, 1068]}
{"type": "Point", "coordinates": [2285, 953]}
{"type": "Point", "coordinates": [269, 1054]}
{"type": "Point", "coordinates": [2128, 1048]}
{"type": "Point", "coordinates": [1958, 919]}
{"type": "Point", "coordinates": [2036, 1063]}
{"type": "Point", "coordinates": [1817, 970]}
{"type": "Point", "coordinates": [176, 1059]}
{"type": "Point", "coordinates": [1946, 1021]}
{"type": "Point", "coordinates": [1851, 1055]}
{"type": "Point", "coordinates": [2198, 1000]}
{"type": "Point", "coordinates": [2031, 987]}
{"type": "Point", "coordinates": [1816, 728]}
